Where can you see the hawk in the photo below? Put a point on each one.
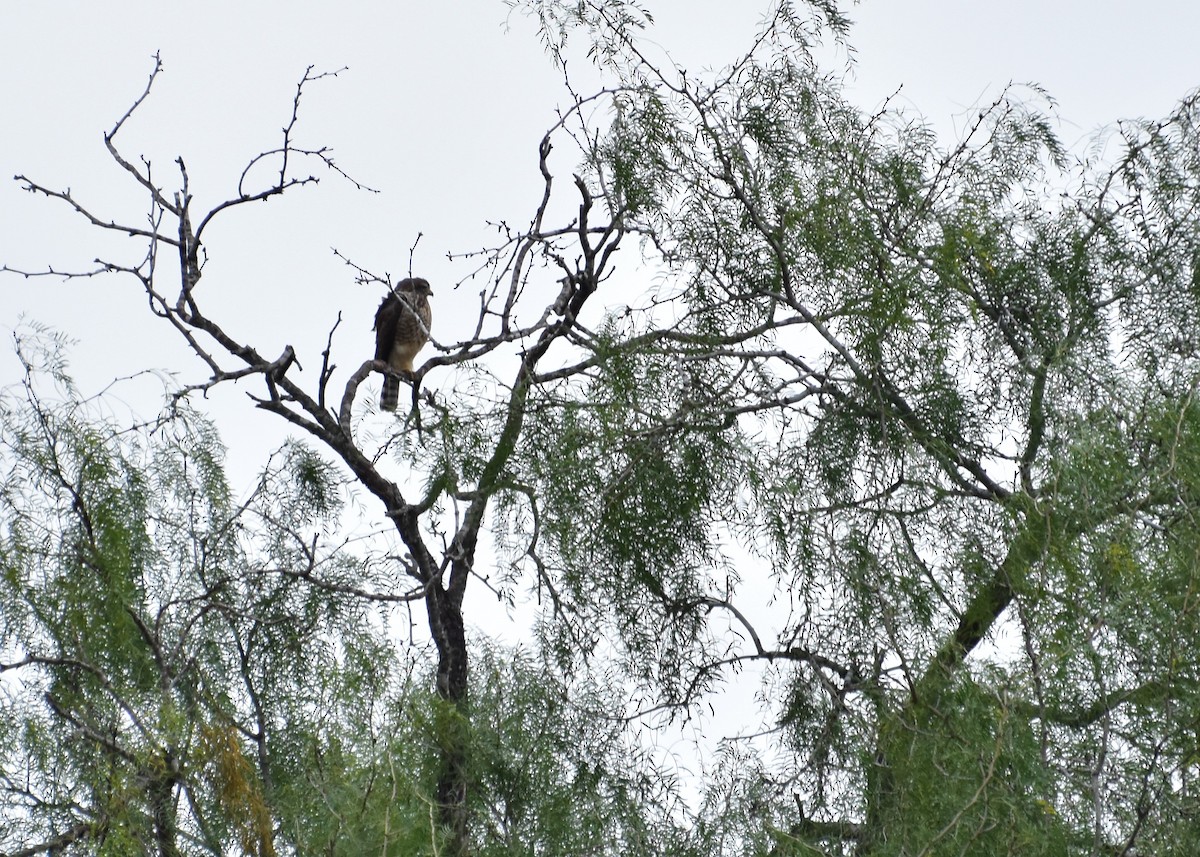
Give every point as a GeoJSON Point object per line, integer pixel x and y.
{"type": "Point", "coordinates": [401, 330]}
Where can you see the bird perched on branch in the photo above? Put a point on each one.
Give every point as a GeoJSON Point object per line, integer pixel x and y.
{"type": "Point", "coordinates": [401, 330]}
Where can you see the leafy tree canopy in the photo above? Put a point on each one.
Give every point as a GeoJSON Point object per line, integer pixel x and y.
{"type": "Point", "coordinates": [910, 428]}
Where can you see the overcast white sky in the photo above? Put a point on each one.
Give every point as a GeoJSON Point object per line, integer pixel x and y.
{"type": "Point", "coordinates": [441, 110]}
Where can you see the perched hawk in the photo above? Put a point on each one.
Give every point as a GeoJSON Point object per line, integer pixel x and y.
{"type": "Point", "coordinates": [401, 329]}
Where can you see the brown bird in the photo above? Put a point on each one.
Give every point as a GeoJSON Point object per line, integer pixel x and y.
{"type": "Point", "coordinates": [401, 330]}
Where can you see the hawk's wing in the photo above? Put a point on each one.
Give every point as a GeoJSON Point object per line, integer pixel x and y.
{"type": "Point", "coordinates": [386, 319]}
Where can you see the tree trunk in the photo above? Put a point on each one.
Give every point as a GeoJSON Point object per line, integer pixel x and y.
{"type": "Point", "coordinates": [445, 618]}
{"type": "Point", "coordinates": [161, 792]}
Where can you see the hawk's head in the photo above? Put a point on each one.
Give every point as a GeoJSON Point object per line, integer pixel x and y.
{"type": "Point", "coordinates": [414, 285]}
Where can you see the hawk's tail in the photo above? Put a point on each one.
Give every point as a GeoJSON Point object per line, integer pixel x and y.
{"type": "Point", "coordinates": [390, 397]}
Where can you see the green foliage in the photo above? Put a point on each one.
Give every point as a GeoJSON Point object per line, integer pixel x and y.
{"type": "Point", "coordinates": [966, 777]}
{"type": "Point", "coordinates": [639, 151]}
{"type": "Point", "coordinates": [944, 396]}
{"type": "Point", "coordinates": [914, 426]}
{"type": "Point", "coordinates": [361, 779]}
{"type": "Point", "coordinates": [165, 639]}
{"type": "Point", "coordinates": [154, 633]}
{"type": "Point", "coordinates": [635, 457]}
{"type": "Point", "coordinates": [555, 773]}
